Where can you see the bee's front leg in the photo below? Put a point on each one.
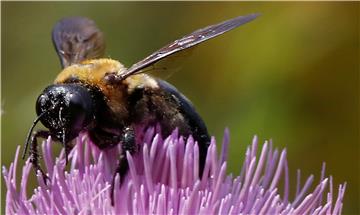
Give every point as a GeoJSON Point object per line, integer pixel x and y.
{"type": "Point", "coordinates": [34, 154]}
{"type": "Point", "coordinates": [128, 144]}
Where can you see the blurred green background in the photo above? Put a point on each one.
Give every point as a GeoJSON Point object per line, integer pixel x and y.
{"type": "Point", "coordinates": [291, 75]}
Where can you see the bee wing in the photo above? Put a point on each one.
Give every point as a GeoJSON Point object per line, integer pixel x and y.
{"type": "Point", "coordinates": [186, 42]}
{"type": "Point", "coordinates": [77, 39]}
{"type": "Point", "coordinates": [171, 64]}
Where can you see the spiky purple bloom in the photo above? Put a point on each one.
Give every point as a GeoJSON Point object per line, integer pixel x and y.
{"type": "Point", "coordinates": [163, 179]}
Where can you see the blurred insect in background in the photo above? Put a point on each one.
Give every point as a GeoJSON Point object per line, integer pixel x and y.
{"type": "Point", "coordinates": [110, 102]}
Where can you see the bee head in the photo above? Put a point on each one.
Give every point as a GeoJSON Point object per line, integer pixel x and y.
{"type": "Point", "coordinates": [66, 109]}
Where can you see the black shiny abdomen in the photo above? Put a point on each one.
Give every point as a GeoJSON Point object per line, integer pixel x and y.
{"type": "Point", "coordinates": [185, 107]}
{"type": "Point", "coordinates": [166, 106]}
{"type": "Point", "coordinates": [192, 118]}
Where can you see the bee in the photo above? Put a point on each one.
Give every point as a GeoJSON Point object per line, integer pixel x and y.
{"type": "Point", "coordinates": [112, 103]}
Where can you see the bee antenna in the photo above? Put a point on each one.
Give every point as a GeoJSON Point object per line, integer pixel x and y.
{"type": "Point", "coordinates": [30, 132]}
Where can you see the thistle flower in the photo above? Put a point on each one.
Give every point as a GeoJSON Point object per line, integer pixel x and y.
{"type": "Point", "coordinates": [163, 178]}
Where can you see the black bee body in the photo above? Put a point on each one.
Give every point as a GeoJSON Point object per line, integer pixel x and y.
{"type": "Point", "coordinates": [169, 108]}
{"type": "Point", "coordinates": [110, 102]}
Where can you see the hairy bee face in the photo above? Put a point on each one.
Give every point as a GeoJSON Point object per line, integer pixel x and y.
{"type": "Point", "coordinates": [67, 109]}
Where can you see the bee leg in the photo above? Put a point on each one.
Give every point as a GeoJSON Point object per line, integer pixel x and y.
{"type": "Point", "coordinates": [128, 144]}
{"type": "Point", "coordinates": [34, 154]}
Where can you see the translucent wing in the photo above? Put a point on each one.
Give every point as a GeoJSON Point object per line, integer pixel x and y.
{"type": "Point", "coordinates": [186, 42]}
{"type": "Point", "coordinates": [77, 39]}
{"type": "Point", "coordinates": [171, 64]}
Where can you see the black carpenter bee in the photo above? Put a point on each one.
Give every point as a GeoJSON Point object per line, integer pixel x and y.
{"type": "Point", "coordinates": [101, 96]}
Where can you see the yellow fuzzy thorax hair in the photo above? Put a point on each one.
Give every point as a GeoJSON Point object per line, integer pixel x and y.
{"type": "Point", "coordinates": [90, 71]}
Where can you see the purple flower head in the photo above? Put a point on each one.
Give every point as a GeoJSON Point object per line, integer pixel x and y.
{"type": "Point", "coordinates": [163, 178]}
